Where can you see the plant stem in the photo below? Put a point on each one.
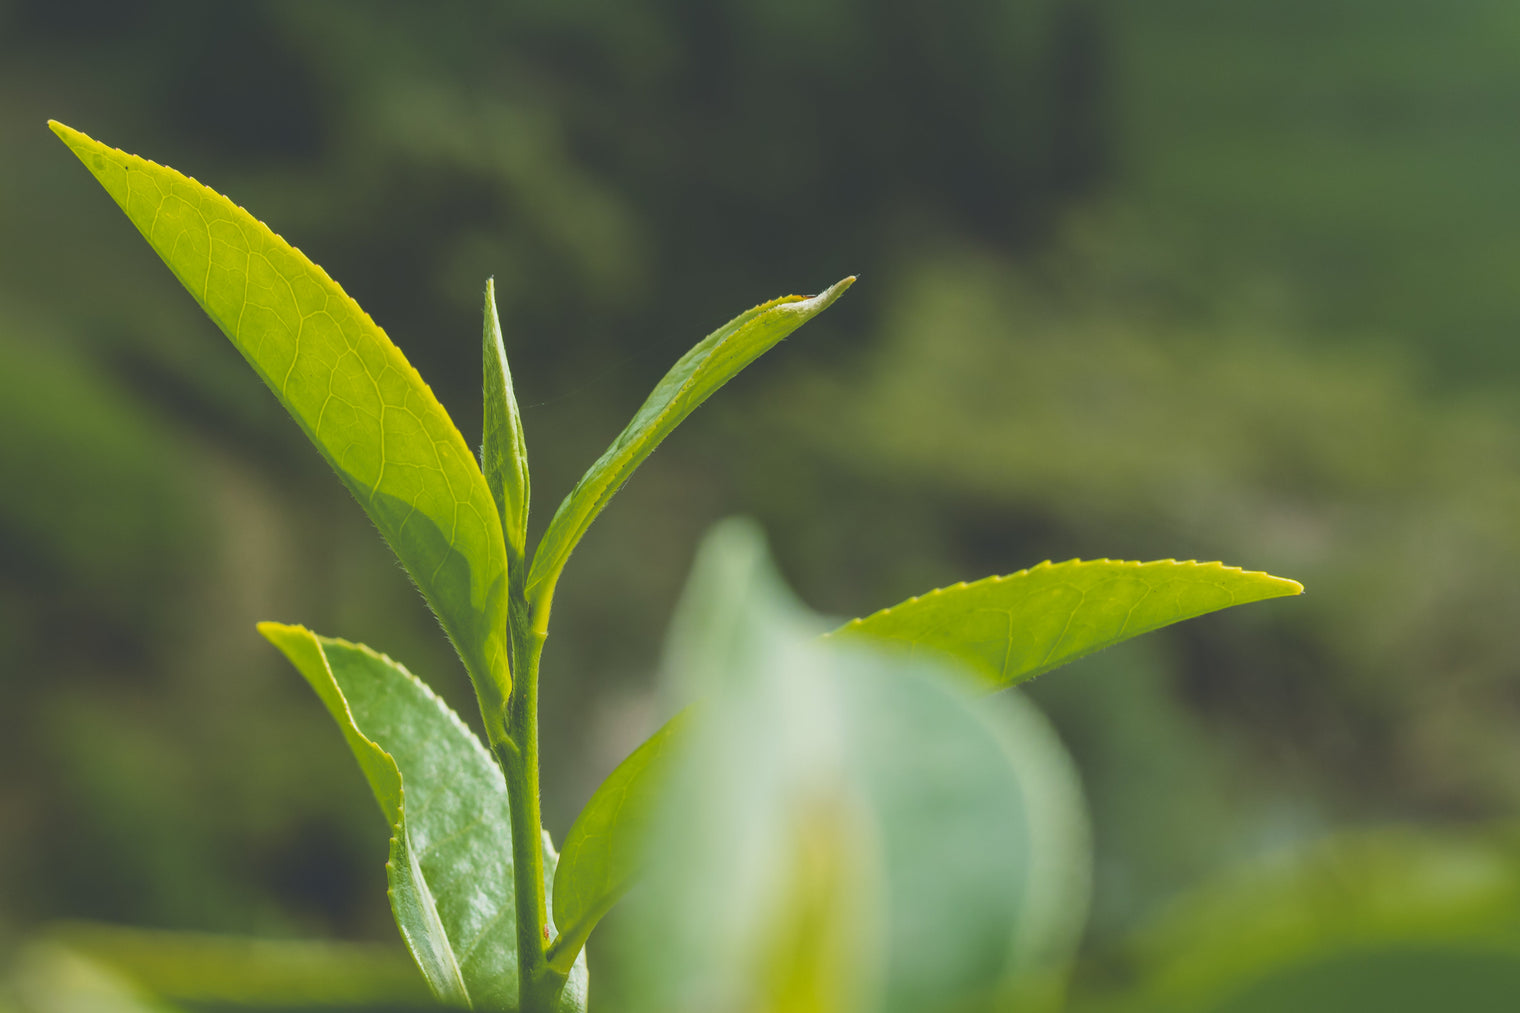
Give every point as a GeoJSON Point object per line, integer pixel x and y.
{"type": "Point", "coordinates": [538, 984]}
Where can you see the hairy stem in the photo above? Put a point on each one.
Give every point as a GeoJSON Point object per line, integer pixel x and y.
{"type": "Point", "coordinates": [538, 984]}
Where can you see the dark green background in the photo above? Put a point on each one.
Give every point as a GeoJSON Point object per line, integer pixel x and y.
{"type": "Point", "coordinates": [1173, 278]}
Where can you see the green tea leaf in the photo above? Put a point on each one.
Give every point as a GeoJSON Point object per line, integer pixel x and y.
{"type": "Point", "coordinates": [714, 361]}
{"type": "Point", "coordinates": [605, 848]}
{"type": "Point", "coordinates": [348, 387]}
{"type": "Point", "coordinates": [504, 451]}
{"type": "Point", "coordinates": [1013, 628]}
{"type": "Point", "coordinates": [450, 867]}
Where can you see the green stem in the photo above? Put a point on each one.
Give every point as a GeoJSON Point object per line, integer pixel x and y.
{"type": "Point", "coordinates": [539, 985]}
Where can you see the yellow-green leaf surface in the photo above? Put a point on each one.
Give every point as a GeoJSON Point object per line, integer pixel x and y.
{"type": "Point", "coordinates": [450, 867]}
{"type": "Point", "coordinates": [47, 976]}
{"type": "Point", "coordinates": [714, 361]}
{"type": "Point", "coordinates": [1013, 628]}
{"type": "Point", "coordinates": [242, 970]}
{"type": "Point", "coordinates": [605, 849]}
{"type": "Point", "coordinates": [503, 450]}
{"type": "Point", "coordinates": [348, 387]}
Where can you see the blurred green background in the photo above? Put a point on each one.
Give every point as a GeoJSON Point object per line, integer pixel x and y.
{"type": "Point", "coordinates": [1171, 279]}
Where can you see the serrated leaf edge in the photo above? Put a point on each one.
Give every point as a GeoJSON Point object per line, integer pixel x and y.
{"type": "Point", "coordinates": [398, 825]}
{"type": "Point", "coordinates": [1291, 587]}
{"type": "Point", "coordinates": [426, 689]}
{"type": "Point", "coordinates": [68, 134]}
{"type": "Point", "coordinates": [63, 130]}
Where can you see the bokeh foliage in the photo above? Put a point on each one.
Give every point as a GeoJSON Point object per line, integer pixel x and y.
{"type": "Point", "coordinates": [1167, 279]}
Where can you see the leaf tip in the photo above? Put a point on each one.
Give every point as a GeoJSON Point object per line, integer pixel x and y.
{"type": "Point", "coordinates": [68, 135]}
{"type": "Point", "coordinates": [812, 305]}
{"type": "Point", "coordinates": [1282, 587]}
{"type": "Point", "coordinates": [276, 632]}
{"type": "Point", "coordinates": [835, 290]}
{"type": "Point", "coordinates": [64, 131]}
{"type": "Point", "coordinates": [494, 348]}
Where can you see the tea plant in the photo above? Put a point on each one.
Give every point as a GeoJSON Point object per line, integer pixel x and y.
{"type": "Point", "coordinates": [494, 919]}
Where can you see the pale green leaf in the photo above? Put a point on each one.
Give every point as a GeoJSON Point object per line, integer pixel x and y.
{"type": "Point", "coordinates": [1013, 628]}
{"type": "Point", "coordinates": [224, 969]}
{"type": "Point", "coordinates": [450, 867]}
{"type": "Point", "coordinates": [347, 386]}
{"type": "Point", "coordinates": [714, 361]}
{"type": "Point", "coordinates": [49, 977]}
{"type": "Point", "coordinates": [504, 451]}
{"type": "Point", "coordinates": [605, 848]}
{"type": "Point", "coordinates": [847, 828]}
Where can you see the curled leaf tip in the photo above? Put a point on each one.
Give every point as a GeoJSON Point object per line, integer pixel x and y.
{"type": "Point", "coordinates": [836, 290]}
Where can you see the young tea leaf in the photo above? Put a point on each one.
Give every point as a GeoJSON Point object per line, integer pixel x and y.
{"type": "Point", "coordinates": [1013, 628]}
{"type": "Point", "coordinates": [504, 451]}
{"type": "Point", "coordinates": [605, 848]}
{"type": "Point", "coordinates": [714, 361]}
{"type": "Point", "coordinates": [348, 387]}
{"type": "Point", "coordinates": [450, 867]}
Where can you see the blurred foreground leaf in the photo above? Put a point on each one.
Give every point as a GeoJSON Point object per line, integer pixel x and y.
{"type": "Point", "coordinates": [52, 978]}
{"type": "Point", "coordinates": [195, 967]}
{"type": "Point", "coordinates": [450, 867]}
{"type": "Point", "coordinates": [849, 829]}
{"type": "Point", "coordinates": [1013, 628]}
{"type": "Point", "coordinates": [348, 387]}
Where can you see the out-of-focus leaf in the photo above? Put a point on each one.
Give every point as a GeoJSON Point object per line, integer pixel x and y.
{"type": "Point", "coordinates": [348, 387]}
{"type": "Point", "coordinates": [710, 364]}
{"type": "Point", "coordinates": [196, 967]}
{"type": "Point", "coordinates": [986, 857]}
{"type": "Point", "coordinates": [1380, 920]}
{"type": "Point", "coordinates": [813, 961]}
{"type": "Point", "coordinates": [948, 837]}
{"type": "Point", "coordinates": [450, 867]}
{"type": "Point", "coordinates": [504, 450]}
{"type": "Point", "coordinates": [1013, 628]}
{"type": "Point", "coordinates": [605, 848]}
{"type": "Point", "coordinates": [51, 978]}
